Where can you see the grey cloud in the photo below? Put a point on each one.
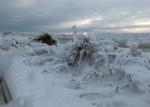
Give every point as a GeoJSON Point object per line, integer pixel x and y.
{"type": "Point", "coordinates": [36, 15]}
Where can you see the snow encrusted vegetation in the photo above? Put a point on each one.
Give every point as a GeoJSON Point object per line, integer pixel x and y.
{"type": "Point", "coordinates": [95, 70]}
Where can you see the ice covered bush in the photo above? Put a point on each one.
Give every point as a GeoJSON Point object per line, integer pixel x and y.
{"type": "Point", "coordinates": [97, 55]}
{"type": "Point", "coordinates": [99, 69]}
{"type": "Point", "coordinates": [81, 51]}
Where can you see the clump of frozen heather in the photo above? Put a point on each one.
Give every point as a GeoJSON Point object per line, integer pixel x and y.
{"type": "Point", "coordinates": [81, 52]}
{"type": "Point", "coordinates": [95, 55]}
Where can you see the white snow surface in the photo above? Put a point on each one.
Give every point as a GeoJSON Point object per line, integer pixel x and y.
{"type": "Point", "coordinates": [37, 79]}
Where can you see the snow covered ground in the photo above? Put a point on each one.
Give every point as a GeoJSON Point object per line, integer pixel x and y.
{"type": "Point", "coordinates": [38, 75]}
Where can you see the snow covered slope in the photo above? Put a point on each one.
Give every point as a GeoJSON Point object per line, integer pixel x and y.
{"type": "Point", "coordinates": [39, 75]}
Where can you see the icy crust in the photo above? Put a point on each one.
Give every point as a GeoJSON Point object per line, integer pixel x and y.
{"type": "Point", "coordinates": [103, 75]}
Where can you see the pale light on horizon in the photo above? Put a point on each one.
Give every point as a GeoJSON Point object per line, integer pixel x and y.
{"type": "Point", "coordinates": [141, 22]}
{"type": "Point", "coordinates": [136, 30]}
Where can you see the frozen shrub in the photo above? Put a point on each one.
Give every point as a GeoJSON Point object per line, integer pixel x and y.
{"type": "Point", "coordinates": [82, 51]}
{"type": "Point", "coordinates": [100, 68]}
{"type": "Point", "coordinates": [94, 55]}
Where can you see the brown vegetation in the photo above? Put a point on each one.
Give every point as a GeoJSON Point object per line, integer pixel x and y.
{"type": "Point", "coordinates": [47, 39]}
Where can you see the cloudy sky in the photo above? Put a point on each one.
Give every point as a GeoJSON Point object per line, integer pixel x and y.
{"type": "Point", "coordinates": [87, 15]}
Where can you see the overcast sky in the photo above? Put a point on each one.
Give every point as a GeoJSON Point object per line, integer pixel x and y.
{"type": "Point", "coordinates": [87, 15]}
